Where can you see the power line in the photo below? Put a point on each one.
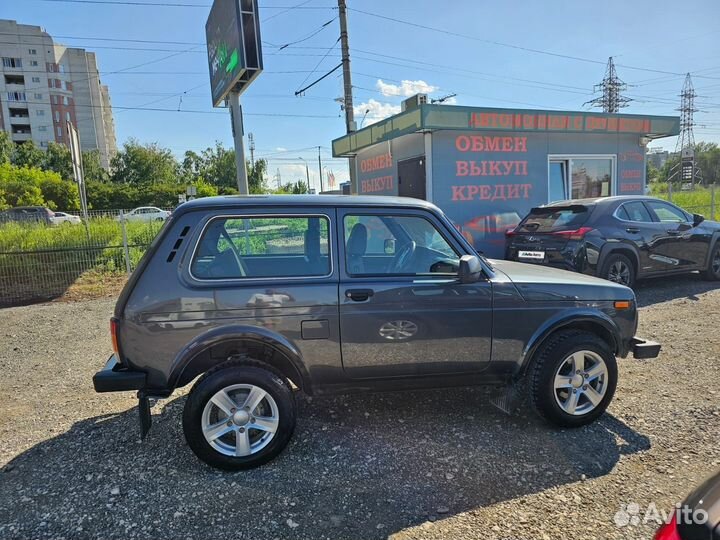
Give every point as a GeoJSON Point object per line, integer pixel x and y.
{"type": "Point", "coordinates": [164, 4]}
{"type": "Point", "coordinates": [509, 45]}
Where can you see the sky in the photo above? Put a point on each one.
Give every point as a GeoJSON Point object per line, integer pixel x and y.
{"type": "Point", "coordinates": [518, 54]}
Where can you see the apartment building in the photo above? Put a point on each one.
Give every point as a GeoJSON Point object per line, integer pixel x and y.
{"type": "Point", "coordinates": [44, 85]}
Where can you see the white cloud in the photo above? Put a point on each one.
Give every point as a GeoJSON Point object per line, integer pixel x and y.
{"type": "Point", "coordinates": [376, 110]}
{"type": "Point", "coordinates": [450, 101]}
{"type": "Point", "coordinates": [406, 88]}
{"type": "Point", "coordinates": [281, 149]}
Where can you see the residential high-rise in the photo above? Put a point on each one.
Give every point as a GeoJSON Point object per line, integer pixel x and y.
{"type": "Point", "coordinates": [45, 84]}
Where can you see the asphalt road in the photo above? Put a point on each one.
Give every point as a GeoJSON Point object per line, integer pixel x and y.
{"type": "Point", "coordinates": [434, 464]}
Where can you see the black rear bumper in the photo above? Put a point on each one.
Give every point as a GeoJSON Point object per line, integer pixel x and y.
{"type": "Point", "coordinates": [114, 377]}
{"type": "Point", "coordinates": [643, 348]}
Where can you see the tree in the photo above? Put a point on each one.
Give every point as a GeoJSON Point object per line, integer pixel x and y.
{"type": "Point", "coordinates": [256, 176]}
{"type": "Point", "coordinates": [20, 186]}
{"type": "Point", "coordinates": [191, 167]}
{"type": "Point", "coordinates": [139, 164]}
{"type": "Point", "coordinates": [218, 167]}
{"type": "Point", "coordinates": [93, 171]}
{"type": "Point", "coordinates": [7, 147]}
{"type": "Point", "coordinates": [26, 154]}
{"type": "Point", "coordinates": [58, 158]}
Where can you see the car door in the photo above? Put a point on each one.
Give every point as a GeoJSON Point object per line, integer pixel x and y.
{"type": "Point", "coordinates": [678, 246]}
{"type": "Point", "coordinates": [402, 310]}
{"type": "Point", "coordinates": [639, 228]}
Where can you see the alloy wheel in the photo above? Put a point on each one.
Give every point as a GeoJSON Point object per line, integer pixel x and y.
{"type": "Point", "coordinates": [580, 383]}
{"type": "Point", "coordinates": [240, 420]}
{"type": "Point", "coordinates": [716, 263]}
{"type": "Point", "coordinates": [619, 273]}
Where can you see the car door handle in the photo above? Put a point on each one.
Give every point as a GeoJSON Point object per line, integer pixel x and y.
{"type": "Point", "coordinates": [632, 230]}
{"type": "Point", "coordinates": [359, 295]}
{"type": "Point", "coordinates": [674, 232]}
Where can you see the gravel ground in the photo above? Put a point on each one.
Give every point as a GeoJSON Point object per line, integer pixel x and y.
{"type": "Point", "coordinates": [439, 464]}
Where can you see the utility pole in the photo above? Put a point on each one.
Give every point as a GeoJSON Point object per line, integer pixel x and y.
{"type": "Point", "coordinates": [347, 85]}
{"type": "Point", "coordinates": [251, 140]}
{"type": "Point", "coordinates": [237, 131]}
{"type": "Point", "coordinates": [320, 170]}
{"type": "Point", "coordinates": [611, 87]}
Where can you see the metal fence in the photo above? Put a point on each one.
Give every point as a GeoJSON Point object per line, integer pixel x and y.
{"type": "Point", "coordinates": [40, 261]}
{"type": "Point", "coordinates": [694, 199]}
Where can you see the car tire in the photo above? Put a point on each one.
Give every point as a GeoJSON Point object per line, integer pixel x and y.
{"type": "Point", "coordinates": [712, 273]}
{"type": "Point", "coordinates": [548, 374]}
{"type": "Point", "coordinates": [232, 441]}
{"type": "Point", "coordinates": [619, 269]}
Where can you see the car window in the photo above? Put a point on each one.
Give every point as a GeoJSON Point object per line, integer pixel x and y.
{"type": "Point", "coordinates": [667, 213]}
{"type": "Point", "coordinates": [396, 245]}
{"type": "Point", "coordinates": [263, 247]}
{"type": "Point", "coordinates": [553, 219]}
{"type": "Point", "coordinates": [635, 211]}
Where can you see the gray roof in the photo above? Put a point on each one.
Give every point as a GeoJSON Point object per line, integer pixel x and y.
{"type": "Point", "coordinates": [604, 200]}
{"type": "Point", "coordinates": [242, 201]}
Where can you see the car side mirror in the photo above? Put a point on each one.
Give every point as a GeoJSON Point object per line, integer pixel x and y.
{"type": "Point", "coordinates": [698, 219]}
{"type": "Point", "coordinates": [470, 269]}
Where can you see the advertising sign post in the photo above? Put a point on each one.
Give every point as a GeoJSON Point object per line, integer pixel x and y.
{"type": "Point", "coordinates": [232, 33]}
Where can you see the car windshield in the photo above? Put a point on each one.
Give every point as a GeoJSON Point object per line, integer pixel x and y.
{"type": "Point", "coordinates": [553, 219]}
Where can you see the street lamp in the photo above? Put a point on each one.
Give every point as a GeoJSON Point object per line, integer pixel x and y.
{"type": "Point", "coordinates": [307, 172]}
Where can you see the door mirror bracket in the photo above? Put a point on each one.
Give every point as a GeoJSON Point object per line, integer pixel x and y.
{"type": "Point", "coordinates": [470, 269]}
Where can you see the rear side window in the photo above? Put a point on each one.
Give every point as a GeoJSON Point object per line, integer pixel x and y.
{"type": "Point", "coordinates": [546, 220]}
{"type": "Point", "coordinates": [634, 211]}
{"type": "Point", "coordinates": [263, 247]}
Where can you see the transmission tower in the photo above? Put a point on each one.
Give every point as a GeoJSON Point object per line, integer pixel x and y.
{"type": "Point", "coordinates": [251, 140]}
{"type": "Point", "coordinates": [611, 87]}
{"type": "Point", "coordinates": [687, 170]}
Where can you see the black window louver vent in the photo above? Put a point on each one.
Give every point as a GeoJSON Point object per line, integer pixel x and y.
{"type": "Point", "coordinates": [179, 241]}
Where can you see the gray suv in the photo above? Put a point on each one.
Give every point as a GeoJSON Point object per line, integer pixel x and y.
{"type": "Point", "coordinates": [257, 297]}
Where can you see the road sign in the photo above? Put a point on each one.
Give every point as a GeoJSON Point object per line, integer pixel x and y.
{"type": "Point", "coordinates": [234, 51]}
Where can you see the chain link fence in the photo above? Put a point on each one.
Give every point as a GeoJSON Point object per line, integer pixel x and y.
{"type": "Point", "coordinates": [694, 199]}
{"type": "Point", "coordinates": [40, 261]}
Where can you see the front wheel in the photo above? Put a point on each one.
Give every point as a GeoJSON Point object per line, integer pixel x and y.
{"type": "Point", "coordinates": [572, 378]}
{"type": "Point", "coordinates": [712, 272]}
{"type": "Point", "coordinates": [239, 416]}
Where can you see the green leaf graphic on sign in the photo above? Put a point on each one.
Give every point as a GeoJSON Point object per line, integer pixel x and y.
{"type": "Point", "coordinates": [233, 62]}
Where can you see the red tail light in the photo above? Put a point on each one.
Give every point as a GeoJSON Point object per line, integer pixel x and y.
{"type": "Point", "coordinates": [669, 531]}
{"type": "Point", "coordinates": [577, 234]}
{"type": "Point", "coordinates": [114, 334]}
{"type": "Point", "coordinates": [510, 232]}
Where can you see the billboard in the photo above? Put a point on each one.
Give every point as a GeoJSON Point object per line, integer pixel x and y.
{"type": "Point", "coordinates": [232, 33]}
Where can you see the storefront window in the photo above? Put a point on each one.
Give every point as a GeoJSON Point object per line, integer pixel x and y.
{"type": "Point", "coordinates": [591, 177]}
{"type": "Point", "coordinates": [580, 177]}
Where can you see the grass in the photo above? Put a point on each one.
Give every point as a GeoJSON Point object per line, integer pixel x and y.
{"type": "Point", "coordinates": [698, 201]}
{"type": "Point", "coordinates": [40, 262]}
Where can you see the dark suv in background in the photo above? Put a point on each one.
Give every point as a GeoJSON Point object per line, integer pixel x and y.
{"type": "Point", "coordinates": [258, 296]}
{"type": "Point", "coordinates": [28, 214]}
{"type": "Point", "coordinates": [621, 239]}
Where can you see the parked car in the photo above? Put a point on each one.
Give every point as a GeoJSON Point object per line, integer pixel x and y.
{"type": "Point", "coordinates": [698, 518]}
{"type": "Point", "coordinates": [146, 213]}
{"type": "Point", "coordinates": [332, 294]}
{"type": "Point", "coordinates": [27, 214]}
{"type": "Point", "coordinates": [63, 218]}
{"type": "Point", "coordinates": [617, 238]}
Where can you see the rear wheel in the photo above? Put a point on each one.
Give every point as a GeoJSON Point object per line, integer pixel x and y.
{"type": "Point", "coordinates": [713, 269]}
{"type": "Point", "coordinates": [618, 268]}
{"type": "Point", "coordinates": [572, 379]}
{"type": "Point", "coordinates": [239, 416]}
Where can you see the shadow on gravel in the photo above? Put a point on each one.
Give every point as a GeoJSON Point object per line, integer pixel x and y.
{"type": "Point", "coordinates": [357, 467]}
{"type": "Point", "coordinates": [654, 291]}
